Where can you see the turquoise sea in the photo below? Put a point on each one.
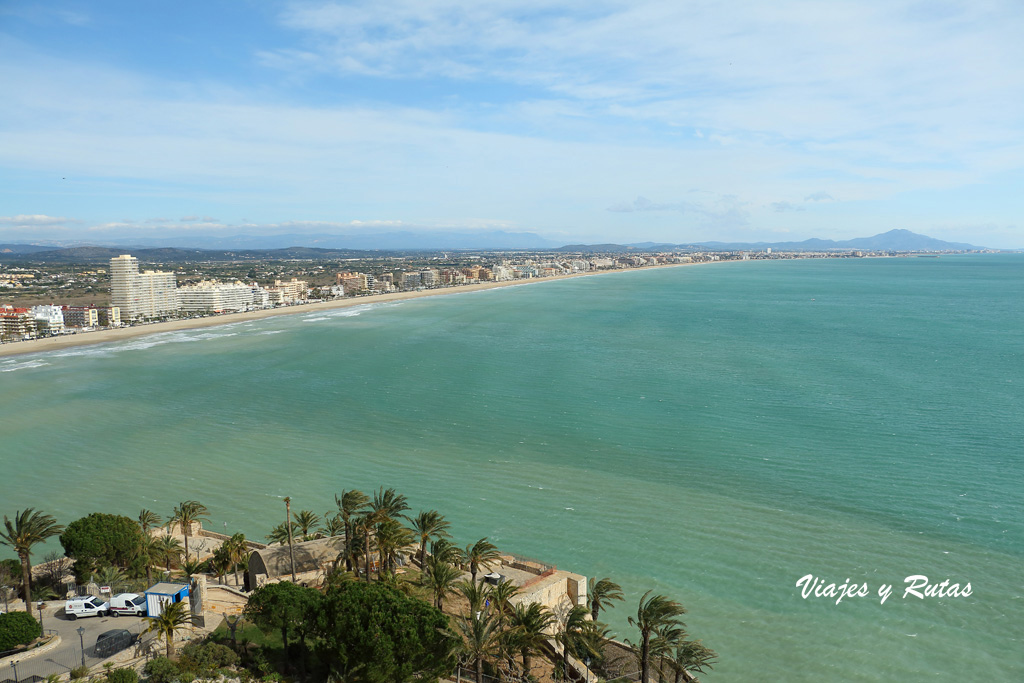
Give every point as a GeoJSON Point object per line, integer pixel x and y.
{"type": "Point", "coordinates": [713, 433]}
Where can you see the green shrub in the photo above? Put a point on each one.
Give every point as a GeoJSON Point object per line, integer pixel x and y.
{"type": "Point", "coordinates": [123, 676]}
{"type": "Point", "coordinates": [162, 670]}
{"type": "Point", "coordinates": [206, 657]}
{"type": "Point", "coordinates": [18, 628]}
{"type": "Point", "coordinates": [79, 672]}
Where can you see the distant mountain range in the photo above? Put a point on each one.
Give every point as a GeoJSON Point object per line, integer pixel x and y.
{"type": "Point", "coordinates": [297, 246]}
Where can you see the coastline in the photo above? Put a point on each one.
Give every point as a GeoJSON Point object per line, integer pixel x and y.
{"type": "Point", "coordinates": [119, 334]}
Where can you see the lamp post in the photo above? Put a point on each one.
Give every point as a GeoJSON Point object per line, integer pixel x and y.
{"type": "Point", "coordinates": [40, 607]}
{"type": "Point", "coordinates": [586, 661]}
{"type": "Point", "coordinates": [14, 665]}
{"type": "Point", "coordinates": [81, 641]}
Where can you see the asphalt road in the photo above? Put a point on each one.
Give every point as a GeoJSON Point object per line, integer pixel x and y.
{"type": "Point", "coordinates": [69, 653]}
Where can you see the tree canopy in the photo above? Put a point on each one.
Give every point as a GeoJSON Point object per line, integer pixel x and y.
{"type": "Point", "coordinates": [101, 540]}
{"type": "Point", "coordinates": [373, 633]}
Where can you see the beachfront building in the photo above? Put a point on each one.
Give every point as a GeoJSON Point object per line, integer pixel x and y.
{"type": "Point", "coordinates": [287, 292]}
{"type": "Point", "coordinates": [16, 323]}
{"type": "Point", "coordinates": [81, 316]}
{"type": "Point", "coordinates": [210, 296]}
{"type": "Point", "coordinates": [151, 294]}
{"type": "Point", "coordinates": [49, 319]}
{"type": "Point", "coordinates": [502, 273]}
{"type": "Point", "coordinates": [354, 283]}
{"type": "Point", "coordinates": [409, 280]}
{"type": "Point", "coordinates": [429, 277]}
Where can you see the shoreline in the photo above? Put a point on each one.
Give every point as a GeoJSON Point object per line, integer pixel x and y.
{"type": "Point", "coordinates": [120, 334]}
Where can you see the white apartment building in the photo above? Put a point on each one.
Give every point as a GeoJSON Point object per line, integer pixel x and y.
{"type": "Point", "coordinates": [151, 294]}
{"type": "Point", "coordinates": [210, 296]}
{"type": "Point", "coordinates": [51, 317]}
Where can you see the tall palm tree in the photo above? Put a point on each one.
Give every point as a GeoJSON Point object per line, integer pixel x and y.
{"type": "Point", "coordinates": [429, 525]}
{"type": "Point", "coordinates": [440, 580]}
{"type": "Point", "coordinates": [350, 505]}
{"type": "Point", "coordinates": [479, 554]}
{"type": "Point", "coordinates": [531, 625]}
{"type": "Point", "coordinates": [148, 552]}
{"type": "Point", "coordinates": [307, 523]}
{"type": "Point", "coordinates": [29, 528]}
{"type": "Point", "coordinates": [238, 552]}
{"type": "Point", "coordinates": [480, 638]}
{"type": "Point", "coordinates": [149, 520]}
{"type": "Point", "coordinates": [656, 612]}
{"type": "Point", "coordinates": [365, 524]}
{"type": "Point", "coordinates": [391, 538]}
{"type": "Point", "coordinates": [187, 513]}
{"type": "Point", "coordinates": [600, 593]}
{"type": "Point", "coordinates": [171, 619]}
{"type": "Point", "coordinates": [571, 635]}
{"type": "Point", "coordinates": [221, 562]}
{"type": "Point", "coordinates": [168, 548]}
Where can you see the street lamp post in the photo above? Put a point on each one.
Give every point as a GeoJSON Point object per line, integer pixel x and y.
{"type": "Point", "coordinates": [81, 641]}
{"type": "Point", "coordinates": [14, 665]}
{"type": "Point", "coordinates": [40, 607]}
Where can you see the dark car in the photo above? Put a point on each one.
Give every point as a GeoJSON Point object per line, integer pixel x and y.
{"type": "Point", "coordinates": [111, 642]}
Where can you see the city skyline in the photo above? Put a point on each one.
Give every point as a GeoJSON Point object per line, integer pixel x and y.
{"type": "Point", "coordinates": [614, 122]}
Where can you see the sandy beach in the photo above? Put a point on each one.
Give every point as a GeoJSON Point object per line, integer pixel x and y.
{"type": "Point", "coordinates": [119, 334]}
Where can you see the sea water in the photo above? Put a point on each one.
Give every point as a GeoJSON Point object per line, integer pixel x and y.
{"type": "Point", "coordinates": [712, 433]}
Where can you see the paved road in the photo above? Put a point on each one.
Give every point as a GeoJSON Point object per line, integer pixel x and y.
{"type": "Point", "coordinates": [69, 653]}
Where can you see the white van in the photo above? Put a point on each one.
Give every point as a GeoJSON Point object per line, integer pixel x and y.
{"type": "Point", "coordinates": [128, 603]}
{"type": "Point", "coordinates": [88, 606]}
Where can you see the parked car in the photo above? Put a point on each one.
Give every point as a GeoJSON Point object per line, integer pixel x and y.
{"type": "Point", "coordinates": [111, 642]}
{"type": "Point", "coordinates": [128, 603]}
{"type": "Point", "coordinates": [88, 606]}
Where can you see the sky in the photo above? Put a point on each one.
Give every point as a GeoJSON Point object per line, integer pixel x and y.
{"type": "Point", "coordinates": [594, 121]}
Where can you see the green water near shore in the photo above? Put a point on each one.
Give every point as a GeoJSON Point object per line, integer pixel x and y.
{"type": "Point", "coordinates": [713, 433]}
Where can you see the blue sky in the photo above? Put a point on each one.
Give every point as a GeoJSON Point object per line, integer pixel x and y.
{"type": "Point", "coordinates": [580, 121]}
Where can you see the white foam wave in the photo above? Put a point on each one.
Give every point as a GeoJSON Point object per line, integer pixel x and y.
{"type": "Point", "coordinates": [11, 366]}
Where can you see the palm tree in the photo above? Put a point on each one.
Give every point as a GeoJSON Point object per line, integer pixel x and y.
{"type": "Point", "coordinates": [531, 625]}
{"type": "Point", "coordinates": [193, 567]}
{"type": "Point", "coordinates": [149, 551]}
{"type": "Point", "coordinates": [481, 553]}
{"type": "Point", "coordinates": [333, 526]}
{"type": "Point", "coordinates": [350, 505]}
{"type": "Point", "coordinates": [389, 503]}
{"type": "Point", "coordinates": [440, 580]}
{"type": "Point", "coordinates": [365, 524]}
{"type": "Point", "coordinates": [476, 595]}
{"type": "Point", "coordinates": [187, 513]}
{"type": "Point", "coordinates": [279, 534]}
{"type": "Point", "coordinates": [168, 548]}
{"type": "Point", "coordinates": [480, 640]}
{"type": "Point", "coordinates": [171, 619]}
{"type": "Point", "coordinates": [307, 522]}
{"type": "Point", "coordinates": [600, 593]}
{"type": "Point", "coordinates": [149, 520]}
{"type": "Point", "coordinates": [656, 612]}
{"type": "Point", "coordinates": [429, 525]}
{"type": "Point", "coordinates": [690, 655]}
{"type": "Point", "coordinates": [445, 551]}
{"type": "Point", "coordinates": [500, 596]}
{"type": "Point", "coordinates": [572, 635]}
{"type": "Point", "coordinates": [221, 562]}
{"type": "Point", "coordinates": [29, 527]}
{"type": "Point", "coordinates": [391, 538]}
{"type": "Point", "coordinates": [238, 552]}
{"type": "Point", "coordinates": [109, 576]}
